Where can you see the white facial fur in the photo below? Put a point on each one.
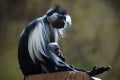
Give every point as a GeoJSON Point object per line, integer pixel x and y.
{"type": "Point", "coordinates": [68, 21]}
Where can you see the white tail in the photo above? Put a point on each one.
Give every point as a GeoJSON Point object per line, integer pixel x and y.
{"type": "Point", "coordinates": [94, 78]}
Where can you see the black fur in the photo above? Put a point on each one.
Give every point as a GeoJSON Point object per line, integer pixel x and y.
{"type": "Point", "coordinates": [26, 64]}
{"type": "Point", "coordinates": [51, 63]}
{"type": "Point", "coordinates": [57, 9]}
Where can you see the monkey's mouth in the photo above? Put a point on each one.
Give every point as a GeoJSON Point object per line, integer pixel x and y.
{"type": "Point", "coordinates": [58, 24]}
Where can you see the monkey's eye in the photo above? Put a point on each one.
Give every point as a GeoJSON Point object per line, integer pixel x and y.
{"type": "Point", "coordinates": [56, 16]}
{"type": "Point", "coordinates": [55, 50]}
{"type": "Point", "coordinates": [53, 17]}
{"type": "Point", "coordinates": [62, 17]}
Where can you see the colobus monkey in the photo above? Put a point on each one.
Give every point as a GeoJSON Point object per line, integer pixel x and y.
{"type": "Point", "coordinates": [55, 48]}
{"type": "Point", "coordinates": [34, 53]}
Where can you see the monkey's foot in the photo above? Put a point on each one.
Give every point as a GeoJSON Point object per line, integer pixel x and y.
{"type": "Point", "coordinates": [96, 71]}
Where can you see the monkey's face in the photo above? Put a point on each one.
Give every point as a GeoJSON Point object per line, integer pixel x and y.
{"type": "Point", "coordinates": [58, 18]}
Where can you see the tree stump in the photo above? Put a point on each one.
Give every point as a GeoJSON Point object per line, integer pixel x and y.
{"type": "Point", "coordinates": [69, 75]}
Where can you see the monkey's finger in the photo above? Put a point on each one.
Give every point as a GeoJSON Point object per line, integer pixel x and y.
{"type": "Point", "coordinates": [94, 68]}
{"type": "Point", "coordinates": [108, 68]}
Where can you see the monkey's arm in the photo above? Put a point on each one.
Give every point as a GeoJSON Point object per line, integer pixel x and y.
{"type": "Point", "coordinates": [62, 65]}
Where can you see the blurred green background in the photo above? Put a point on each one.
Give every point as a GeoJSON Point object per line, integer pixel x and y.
{"type": "Point", "coordinates": [93, 39]}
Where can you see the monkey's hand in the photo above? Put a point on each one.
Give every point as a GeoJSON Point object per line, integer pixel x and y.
{"type": "Point", "coordinates": [96, 71]}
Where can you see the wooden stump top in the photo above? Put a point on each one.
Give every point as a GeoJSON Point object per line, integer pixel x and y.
{"type": "Point", "coordinates": [69, 75]}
